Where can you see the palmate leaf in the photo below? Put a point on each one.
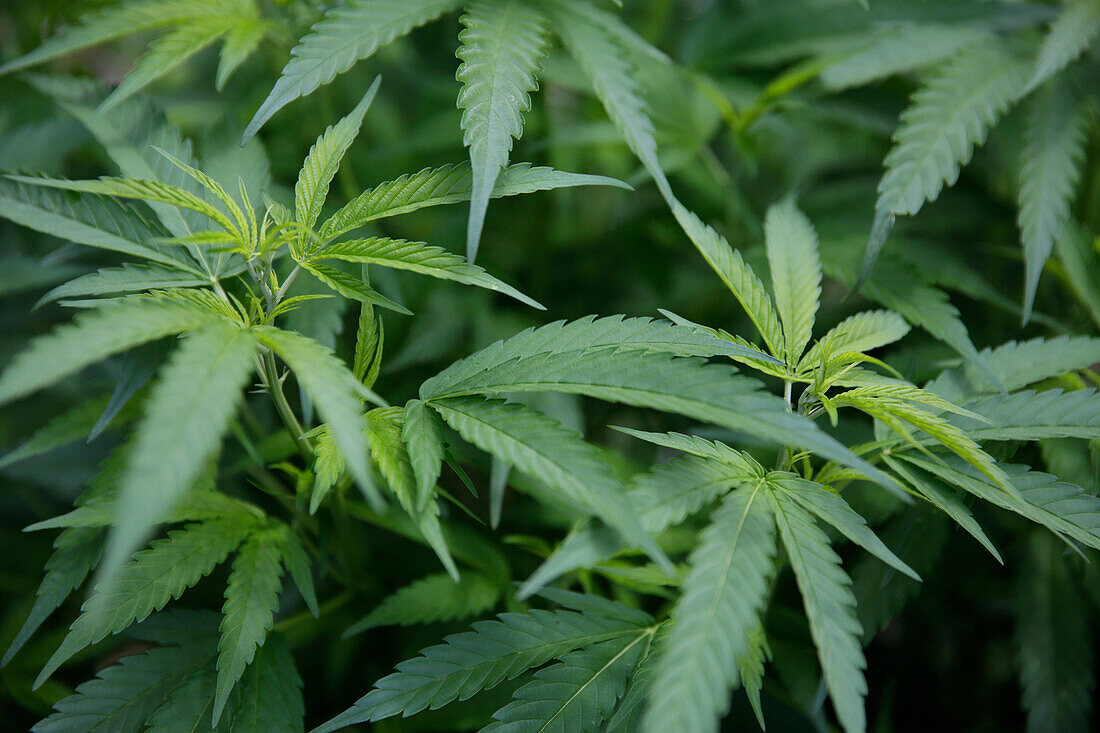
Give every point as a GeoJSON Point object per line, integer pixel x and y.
{"type": "Point", "coordinates": [187, 708]}
{"type": "Point", "coordinates": [142, 189]}
{"type": "Point", "coordinates": [859, 333]}
{"type": "Point", "coordinates": [1017, 364]}
{"type": "Point", "coordinates": [830, 607]}
{"type": "Point", "coordinates": [662, 498]}
{"type": "Point", "coordinates": [479, 659]}
{"type": "Point", "coordinates": [449, 184]}
{"type": "Point", "coordinates": [96, 334]}
{"type": "Point", "coordinates": [370, 338]}
{"type": "Point", "coordinates": [897, 48]}
{"type": "Point", "coordinates": [76, 553]}
{"type": "Point", "coordinates": [420, 258]}
{"type": "Point", "coordinates": [830, 508]}
{"type": "Point", "coordinates": [186, 415]}
{"type": "Point", "coordinates": [134, 135]}
{"type": "Point", "coordinates": [948, 117]}
{"type": "Point", "coordinates": [1081, 266]}
{"type": "Point", "coordinates": [323, 161]}
{"type": "Point", "coordinates": [123, 697]}
{"type": "Point", "coordinates": [501, 46]}
{"type": "Point", "coordinates": [540, 446]}
{"type": "Point", "coordinates": [348, 33]}
{"type": "Point", "coordinates": [154, 577]}
{"type": "Point", "coordinates": [297, 563]}
{"type": "Point", "coordinates": [575, 338]}
{"type": "Point", "coordinates": [248, 613]}
{"type": "Point", "coordinates": [577, 693]}
{"type": "Point", "coordinates": [431, 599]}
{"type": "Point", "coordinates": [714, 393]}
{"type": "Point", "coordinates": [791, 244]}
{"type": "Point", "coordinates": [1069, 36]}
{"type": "Point", "coordinates": [422, 433]}
{"type": "Point", "coordinates": [126, 279]}
{"type": "Point", "coordinates": [1035, 415]}
{"type": "Point", "coordinates": [627, 717]}
{"type": "Point", "coordinates": [1049, 171]}
{"type": "Point", "coordinates": [335, 393]}
{"type": "Point", "coordinates": [943, 499]}
{"type": "Point", "coordinates": [167, 53]}
{"type": "Point", "coordinates": [1054, 641]}
{"type": "Point", "coordinates": [1063, 508]}
{"type": "Point", "coordinates": [270, 693]}
{"type": "Point", "coordinates": [352, 287]}
{"type": "Point", "coordinates": [719, 606]}
{"type": "Point", "coordinates": [385, 428]}
{"type": "Point", "coordinates": [583, 28]}
{"type": "Point", "coordinates": [107, 25]}
{"type": "Point", "coordinates": [902, 290]}
{"type": "Point", "coordinates": [95, 221]}
{"type": "Point", "coordinates": [65, 428]}
{"type": "Point", "coordinates": [736, 274]}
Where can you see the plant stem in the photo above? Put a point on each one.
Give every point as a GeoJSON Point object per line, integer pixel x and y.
{"type": "Point", "coordinates": [290, 420]}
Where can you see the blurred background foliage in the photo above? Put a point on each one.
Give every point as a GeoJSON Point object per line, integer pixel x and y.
{"type": "Point", "coordinates": [760, 106]}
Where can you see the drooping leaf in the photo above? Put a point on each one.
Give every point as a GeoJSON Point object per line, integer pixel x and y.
{"type": "Point", "coordinates": [791, 244]}
{"type": "Point", "coordinates": [1061, 507]}
{"type": "Point", "coordinates": [479, 659]}
{"type": "Point", "coordinates": [830, 607]}
{"type": "Point", "coordinates": [501, 46]}
{"type": "Point", "coordinates": [720, 605]}
{"type": "Point", "coordinates": [249, 609]}
{"type": "Point", "coordinates": [297, 563]}
{"type": "Point", "coordinates": [431, 599]}
{"type": "Point", "coordinates": [348, 33]}
{"type": "Point", "coordinates": [94, 335]}
{"type": "Point", "coordinates": [323, 161]}
{"type": "Point", "coordinates": [1049, 170]}
{"type": "Point", "coordinates": [154, 577]}
{"type": "Point", "coordinates": [185, 417]}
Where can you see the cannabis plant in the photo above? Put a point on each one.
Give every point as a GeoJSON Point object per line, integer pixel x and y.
{"type": "Point", "coordinates": [266, 479]}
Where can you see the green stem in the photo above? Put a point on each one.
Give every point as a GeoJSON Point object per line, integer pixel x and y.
{"type": "Point", "coordinates": [286, 414]}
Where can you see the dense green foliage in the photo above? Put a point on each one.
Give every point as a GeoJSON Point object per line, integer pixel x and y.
{"type": "Point", "coordinates": [832, 436]}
